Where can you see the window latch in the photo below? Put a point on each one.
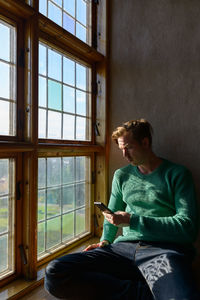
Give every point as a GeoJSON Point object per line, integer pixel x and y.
{"type": "Point", "coordinates": [23, 254]}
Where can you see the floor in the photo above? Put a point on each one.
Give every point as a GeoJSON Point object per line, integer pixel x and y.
{"type": "Point", "coordinates": [38, 294]}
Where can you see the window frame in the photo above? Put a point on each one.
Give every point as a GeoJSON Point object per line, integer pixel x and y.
{"type": "Point", "coordinates": [25, 146]}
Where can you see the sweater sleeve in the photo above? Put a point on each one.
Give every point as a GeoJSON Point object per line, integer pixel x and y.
{"type": "Point", "coordinates": [182, 226]}
{"type": "Point", "coordinates": [116, 203]}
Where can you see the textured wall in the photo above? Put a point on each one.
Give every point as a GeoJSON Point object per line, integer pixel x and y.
{"type": "Point", "coordinates": [155, 74]}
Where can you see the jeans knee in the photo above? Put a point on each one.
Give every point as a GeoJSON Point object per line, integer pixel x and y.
{"type": "Point", "coordinates": [53, 268]}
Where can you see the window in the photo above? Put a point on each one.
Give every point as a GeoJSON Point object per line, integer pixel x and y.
{"type": "Point", "coordinates": [52, 131]}
{"type": "Point", "coordinates": [73, 15]}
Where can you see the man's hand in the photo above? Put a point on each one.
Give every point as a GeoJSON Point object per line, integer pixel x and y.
{"type": "Point", "coordinates": [100, 244]}
{"type": "Point", "coordinates": [119, 218]}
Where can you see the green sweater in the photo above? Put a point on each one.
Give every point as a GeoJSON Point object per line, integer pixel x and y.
{"type": "Point", "coordinates": [162, 205]}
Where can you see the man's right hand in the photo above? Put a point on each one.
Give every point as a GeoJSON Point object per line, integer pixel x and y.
{"type": "Point", "coordinates": [100, 244]}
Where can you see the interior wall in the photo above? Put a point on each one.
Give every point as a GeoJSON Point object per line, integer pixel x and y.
{"type": "Point", "coordinates": [154, 71]}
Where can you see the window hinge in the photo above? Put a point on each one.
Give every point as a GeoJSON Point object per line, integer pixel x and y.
{"type": "Point", "coordinates": [93, 177]}
{"type": "Point", "coordinates": [94, 88]}
{"type": "Point", "coordinates": [96, 129]}
{"type": "Point", "coordinates": [96, 1]}
{"type": "Point", "coordinates": [94, 41]}
{"type": "Point", "coordinates": [18, 190]}
{"type": "Point", "coordinates": [23, 254]}
{"type": "Point", "coordinates": [22, 58]}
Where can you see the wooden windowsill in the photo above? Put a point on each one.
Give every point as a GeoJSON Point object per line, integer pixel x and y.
{"type": "Point", "coordinates": [20, 287]}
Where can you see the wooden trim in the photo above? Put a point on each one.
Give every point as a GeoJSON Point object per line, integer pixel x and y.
{"type": "Point", "coordinates": [17, 7]}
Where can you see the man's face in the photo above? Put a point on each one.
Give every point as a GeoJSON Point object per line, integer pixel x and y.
{"type": "Point", "coordinates": [132, 150]}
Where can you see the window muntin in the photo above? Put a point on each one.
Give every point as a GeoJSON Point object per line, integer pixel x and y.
{"type": "Point", "coordinates": [7, 199]}
{"type": "Point", "coordinates": [64, 97]}
{"type": "Point", "coordinates": [63, 201]}
{"type": "Point", "coordinates": [7, 79]}
{"type": "Point", "coordinates": [72, 15]}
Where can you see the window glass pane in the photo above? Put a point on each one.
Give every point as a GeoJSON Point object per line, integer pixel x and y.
{"type": "Point", "coordinates": [54, 95]}
{"type": "Point", "coordinates": [68, 226]}
{"type": "Point", "coordinates": [54, 13]}
{"type": "Point", "coordinates": [68, 71]}
{"type": "Point", "coordinates": [43, 7]}
{"type": "Point", "coordinates": [41, 205]}
{"type": "Point", "coordinates": [7, 200]}
{"type": "Point", "coordinates": [69, 6]}
{"type": "Point", "coordinates": [53, 232]}
{"type": "Point", "coordinates": [81, 103]}
{"type": "Point", "coordinates": [68, 127]}
{"type": "Point", "coordinates": [53, 202]}
{"type": "Point", "coordinates": [53, 171]}
{"type": "Point", "coordinates": [68, 23]}
{"type": "Point", "coordinates": [80, 221]}
{"type": "Point", "coordinates": [68, 198]}
{"type": "Point", "coordinates": [42, 91]}
{"type": "Point", "coordinates": [63, 200]}
{"type": "Point", "coordinates": [68, 99]}
{"type": "Point", "coordinates": [81, 10]}
{"type": "Point", "coordinates": [54, 125]}
{"type": "Point", "coordinates": [80, 77]}
{"type": "Point", "coordinates": [59, 2]}
{"type": "Point", "coordinates": [54, 65]}
{"type": "Point", "coordinates": [65, 98]}
{"type": "Point", "coordinates": [42, 123]}
{"type": "Point", "coordinates": [7, 79]}
{"type": "Point", "coordinates": [80, 128]}
{"type": "Point", "coordinates": [5, 41]}
{"type": "Point", "coordinates": [68, 170]}
{"type": "Point", "coordinates": [81, 32]}
{"type": "Point", "coordinates": [42, 59]}
{"type": "Point", "coordinates": [41, 238]}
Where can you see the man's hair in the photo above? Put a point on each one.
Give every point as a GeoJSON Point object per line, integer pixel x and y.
{"type": "Point", "coordinates": [139, 129]}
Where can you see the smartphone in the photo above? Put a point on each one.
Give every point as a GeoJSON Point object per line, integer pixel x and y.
{"type": "Point", "coordinates": [103, 207]}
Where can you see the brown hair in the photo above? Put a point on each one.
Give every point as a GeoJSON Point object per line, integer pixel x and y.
{"type": "Point", "coordinates": [139, 128]}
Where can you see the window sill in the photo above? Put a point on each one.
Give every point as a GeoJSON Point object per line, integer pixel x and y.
{"type": "Point", "coordinates": [20, 287]}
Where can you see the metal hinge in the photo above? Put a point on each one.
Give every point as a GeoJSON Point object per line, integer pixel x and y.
{"type": "Point", "coordinates": [94, 88]}
{"type": "Point", "coordinates": [22, 58]}
{"type": "Point", "coordinates": [23, 254]}
{"type": "Point", "coordinates": [18, 190]}
{"type": "Point", "coordinates": [96, 1]}
{"type": "Point", "coordinates": [93, 177]}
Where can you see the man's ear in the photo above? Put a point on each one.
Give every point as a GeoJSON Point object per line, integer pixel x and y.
{"type": "Point", "coordinates": [145, 142]}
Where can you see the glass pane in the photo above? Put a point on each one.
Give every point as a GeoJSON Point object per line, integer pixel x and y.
{"type": "Point", "coordinates": [80, 128]}
{"type": "Point", "coordinates": [68, 127]}
{"type": "Point", "coordinates": [80, 195]}
{"type": "Point", "coordinates": [80, 168]}
{"type": "Point", "coordinates": [81, 10]}
{"type": "Point", "coordinates": [68, 99]}
{"type": "Point", "coordinates": [54, 125]}
{"type": "Point", "coordinates": [81, 32]}
{"type": "Point", "coordinates": [42, 91]}
{"type": "Point", "coordinates": [80, 221]}
{"type": "Point", "coordinates": [68, 23]}
{"type": "Point", "coordinates": [69, 6]}
{"type": "Point", "coordinates": [42, 59]}
{"type": "Point", "coordinates": [53, 202]}
{"type": "Point", "coordinates": [81, 77]}
{"type": "Point", "coordinates": [4, 253]}
{"type": "Point", "coordinates": [42, 123]}
{"type": "Point", "coordinates": [5, 41]}
{"type": "Point", "coordinates": [3, 214]}
{"type": "Point", "coordinates": [59, 2]}
{"type": "Point", "coordinates": [41, 204]}
{"type": "Point", "coordinates": [68, 198]}
{"type": "Point", "coordinates": [4, 176]}
{"type": "Point", "coordinates": [4, 118]}
{"type": "Point", "coordinates": [41, 172]}
{"type": "Point", "coordinates": [54, 65]}
{"type": "Point", "coordinates": [68, 226]}
{"type": "Point", "coordinates": [5, 80]}
{"type": "Point", "coordinates": [53, 171]}
{"type": "Point", "coordinates": [53, 232]}
{"type": "Point", "coordinates": [68, 170]}
{"type": "Point", "coordinates": [41, 238]}
{"type": "Point", "coordinates": [54, 13]}
{"type": "Point", "coordinates": [68, 71]}
{"type": "Point", "coordinates": [81, 103]}
{"type": "Point", "coordinates": [54, 95]}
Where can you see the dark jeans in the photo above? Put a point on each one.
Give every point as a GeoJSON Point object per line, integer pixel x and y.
{"type": "Point", "coordinates": [121, 271]}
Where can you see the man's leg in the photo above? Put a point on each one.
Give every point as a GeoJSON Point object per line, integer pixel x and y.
{"type": "Point", "coordinates": [106, 273]}
{"type": "Point", "coordinates": [167, 272]}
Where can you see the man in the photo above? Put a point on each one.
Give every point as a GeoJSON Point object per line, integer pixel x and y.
{"type": "Point", "coordinates": [153, 200]}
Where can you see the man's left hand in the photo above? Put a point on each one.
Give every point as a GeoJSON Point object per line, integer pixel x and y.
{"type": "Point", "coordinates": [119, 218]}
